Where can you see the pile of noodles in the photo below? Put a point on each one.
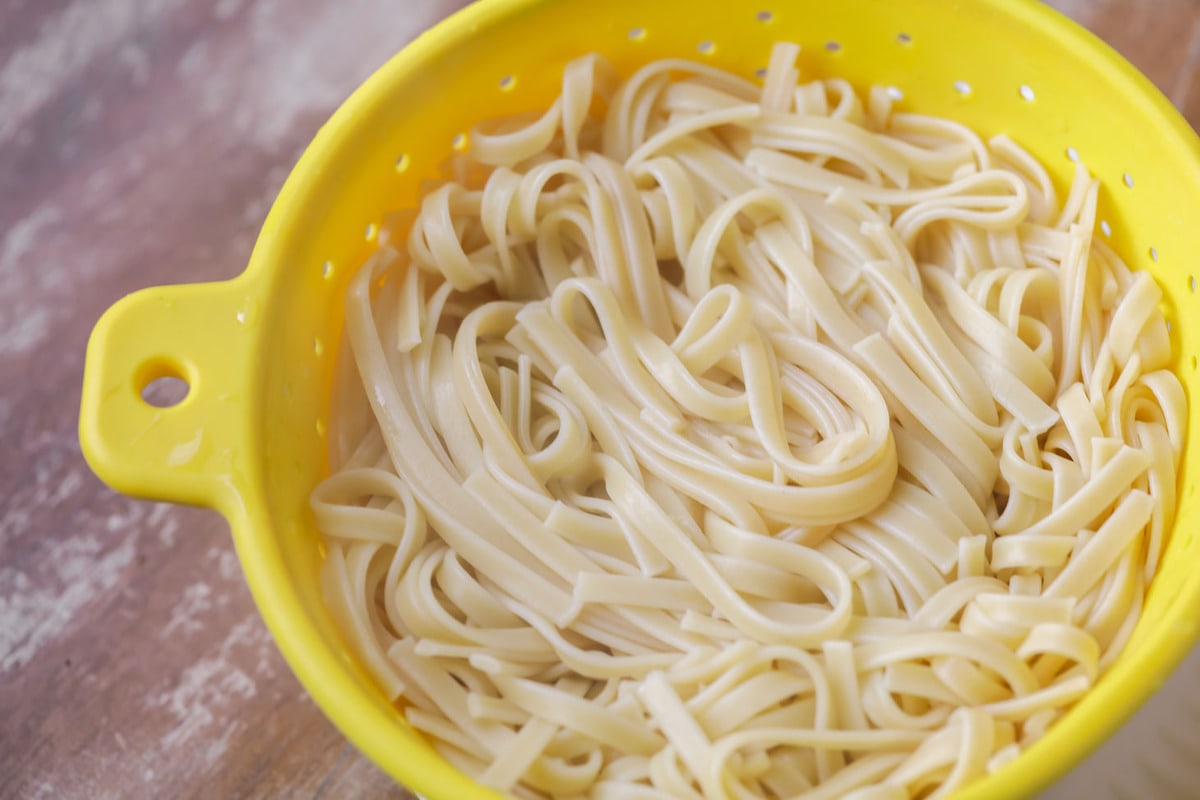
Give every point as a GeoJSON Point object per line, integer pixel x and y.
{"type": "Point", "coordinates": [717, 440]}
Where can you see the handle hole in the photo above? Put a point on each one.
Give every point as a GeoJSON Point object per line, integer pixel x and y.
{"type": "Point", "coordinates": [162, 384]}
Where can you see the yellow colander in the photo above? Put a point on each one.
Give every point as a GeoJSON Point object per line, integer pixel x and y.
{"type": "Point", "coordinates": [258, 351]}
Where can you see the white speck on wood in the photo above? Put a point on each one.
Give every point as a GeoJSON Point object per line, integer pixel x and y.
{"type": "Point", "coordinates": [164, 522]}
{"type": "Point", "coordinates": [24, 330]}
{"type": "Point", "coordinates": [23, 327]}
{"type": "Point", "coordinates": [70, 483]}
{"type": "Point", "coordinates": [22, 237]}
{"type": "Point", "coordinates": [107, 179]}
{"type": "Point", "coordinates": [33, 615]}
{"type": "Point", "coordinates": [54, 486]}
{"type": "Point", "coordinates": [185, 615]}
{"type": "Point", "coordinates": [14, 523]}
{"type": "Point", "coordinates": [123, 519]}
{"type": "Point", "coordinates": [62, 48]}
{"type": "Point", "coordinates": [43, 790]}
{"type": "Point", "coordinates": [225, 560]}
{"type": "Point", "coordinates": [227, 566]}
{"type": "Point", "coordinates": [193, 60]}
{"type": "Point", "coordinates": [211, 690]}
{"type": "Point", "coordinates": [218, 746]}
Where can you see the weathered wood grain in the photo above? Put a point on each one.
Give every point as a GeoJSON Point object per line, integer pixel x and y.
{"type": "Point", "coordinates": [141, 142]}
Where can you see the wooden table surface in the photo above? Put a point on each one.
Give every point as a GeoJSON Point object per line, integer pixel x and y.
{"type": "Point", "coordinates": [141, 142]}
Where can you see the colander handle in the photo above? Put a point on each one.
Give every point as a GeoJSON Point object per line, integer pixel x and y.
{"type": "Point", "coordinates": [187, 452]}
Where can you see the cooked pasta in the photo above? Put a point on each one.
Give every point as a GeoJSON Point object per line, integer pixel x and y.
{"type": "Point", "coordinates": [708, 439]}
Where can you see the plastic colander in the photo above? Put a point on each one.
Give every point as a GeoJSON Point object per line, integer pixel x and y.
{"type": "Point", "coordinates": [258, 351]}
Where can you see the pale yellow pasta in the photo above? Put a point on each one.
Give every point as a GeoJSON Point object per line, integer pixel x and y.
{"type": "Point", "coordinates": [715, 440]}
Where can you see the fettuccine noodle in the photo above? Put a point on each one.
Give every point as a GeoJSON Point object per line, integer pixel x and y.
{"type": "Point", "coordinates": [716, 440]}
